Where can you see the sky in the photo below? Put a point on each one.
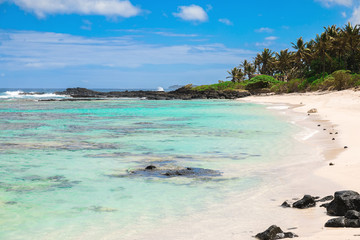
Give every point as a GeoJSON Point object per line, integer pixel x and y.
{"type": "Point", "coordinates": [147, 44]}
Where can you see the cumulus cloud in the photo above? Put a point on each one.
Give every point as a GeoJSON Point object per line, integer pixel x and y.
{"type": "Point", "coordinates": [355, 18]}
{"type": "Point", "coordinates": [264, 29]}
{"type": "Point", "coordinates": [192, 13]}
{"type": "Point", "coordinates": [329, 3]}
{"type": "Point", "coordinates": [271, 38]}
{"type": "Point", "coordinates": [27, 49]}
{"type": "Point", "coordinates": [226, 21]}
{"type": "Point", "coordinates": [41, 8]}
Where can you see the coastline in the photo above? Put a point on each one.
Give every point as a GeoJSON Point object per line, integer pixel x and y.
{"type": "Point", "coordinates": [338, 112]}
{"type": "Point", "coordinates": [242, 216]}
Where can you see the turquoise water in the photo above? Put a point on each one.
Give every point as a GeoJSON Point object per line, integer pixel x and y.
{"type": "Point", "coordinates": [56, 159]}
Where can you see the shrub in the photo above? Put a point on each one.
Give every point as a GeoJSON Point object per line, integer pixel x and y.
{"type": "Point", "coordinates": [261, 81]}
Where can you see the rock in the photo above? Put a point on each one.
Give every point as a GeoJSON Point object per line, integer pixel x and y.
{"type": "Point", "coordinates": [150, 167]}
{"type": "Point", "coordinates": [336, 222]}
{"type": "Point", "coordinates": [270, 233]}
{"type": "Point", "coordinates": [313, 110]}
{"type": "Point", "coordinates": [11, 203]}
{"type": "Point", "coordinates": [290, 235]}
{"type": "Point", "coordinates": [184, 93]}
{"type": "Point", "coordinates": [333, 139]}
{"type": "Point", "coordinates": [345, 147]}
{"type": "Point", "coordinates": [319, 125]}
{"type": "Point", "coordinates": [327, 198]}
{"type": "Point", "coordinates": [352, 214]}
{"type": "Point", "coordinates": [285, 204]}
{"type": "Point", "coordinates": [352, 223]}
{"type": "Point", "coordinates": [306, 202]}
{"type": "Point", "coordinates": [331, 164]}
{"type": "Point", "coordinates": [343, 202]}
{"type": "Point", "coordinates": [325, 205]}
{"type": "Point", "coordinates": [274, 232]}
{"type": "Point", "coordinates": [172, 171]}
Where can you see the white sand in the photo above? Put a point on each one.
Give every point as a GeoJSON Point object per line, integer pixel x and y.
{"type": "Point", "coordinates": [342, 109]}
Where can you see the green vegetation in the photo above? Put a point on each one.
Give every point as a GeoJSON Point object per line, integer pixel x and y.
{"type": "Point", "coordinates": [331, 61]}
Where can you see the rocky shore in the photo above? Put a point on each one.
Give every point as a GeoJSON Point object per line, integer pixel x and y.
{"type": "Point", "coordinates": [183, 93]}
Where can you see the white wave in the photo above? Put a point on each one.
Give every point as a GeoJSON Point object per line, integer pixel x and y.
{"type": "Point", "coordinates": [32, 95]}
{"type": "Point", "coordinates": [160, 89]}
{"type": "Point", "coordinates": [306, 134]}
{"type": "Point", "coordinates": [282, 107]}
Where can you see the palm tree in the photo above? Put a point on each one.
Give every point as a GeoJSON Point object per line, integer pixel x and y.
{"type": "Point", "coordinates": [236, 74]}
{"type": "Point", "coordinates": [321, 46]}
{"type": "Point", "coordinates": [351, 37]}
{"type": "Point", "coordinates": [302, 54]}
{"type": "Point", "coordinates": [284, 63]}
{"type": "Point", "coordinates": [265, 62]}
{"type": "Point", "coordinates": [248, 68]}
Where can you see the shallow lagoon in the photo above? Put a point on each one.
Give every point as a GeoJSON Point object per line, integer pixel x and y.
{"type": "Point", "coordinates": [56, 158]}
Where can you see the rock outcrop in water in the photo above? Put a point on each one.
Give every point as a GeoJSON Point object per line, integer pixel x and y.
{"type": "Point", "coordinates": [184, 93]}
{"type": "Point", "coordinates": [168, 172]}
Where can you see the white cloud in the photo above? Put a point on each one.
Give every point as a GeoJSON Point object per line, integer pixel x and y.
{"type": "Point", "coordinates": [27, 49]}
{"type": "Point", "coordinates": [192, 13]}
{"type": "Point", "coordinates": [329, 3]}
{"type": "Point", "coordinates": [355, 18]}
{"type": "Point", "coordinates": [271, 38]}
{"type": "Point", "coordinates": [344, 14]}
{"type": "Point", "coordinates": [225, 21]}
{"type": "Point", "coordinates": [2, 75]}
{"type": "Point", "coordinates": [263, 44]}
{"type": "Point", "coordinates": [41, 8]}
{"type": "Point", "coordinates": [170, 34]}
{"type": "Point", "coordinates": [87, 25]}
{"type": "Point", "coordinates": [264, 29]}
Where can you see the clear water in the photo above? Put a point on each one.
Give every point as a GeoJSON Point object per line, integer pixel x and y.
{"type": "Point", "coordinates": [56, 158]}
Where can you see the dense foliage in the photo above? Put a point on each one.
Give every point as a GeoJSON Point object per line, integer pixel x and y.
{"type": "Point", "coordinates": [331, 61]}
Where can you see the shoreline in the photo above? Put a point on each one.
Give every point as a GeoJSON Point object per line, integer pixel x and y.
{"type": "Point", "coordinates": [341, 111]}
{"type": "Point", "coordinates": [243, 215]}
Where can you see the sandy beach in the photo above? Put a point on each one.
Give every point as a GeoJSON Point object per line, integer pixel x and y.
{"type": "Point", "coordinates": [341, 111]}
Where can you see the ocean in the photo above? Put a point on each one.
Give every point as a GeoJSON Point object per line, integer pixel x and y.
{"type": "Point", "coordinates": [64, 166]}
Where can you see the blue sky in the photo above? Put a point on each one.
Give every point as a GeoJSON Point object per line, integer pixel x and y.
{"type": "Point", "coordinates": [146, 44]}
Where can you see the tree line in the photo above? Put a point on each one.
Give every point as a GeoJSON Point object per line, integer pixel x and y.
{"type": "Point", "coordinates": [334, 49]}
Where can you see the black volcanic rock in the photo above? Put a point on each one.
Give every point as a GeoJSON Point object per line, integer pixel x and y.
{"type": "Point", "coordinates": [336, 222]}
{"type": "Point", "coordinates": [306, 202]}
{"type": "Point", "coordinates": [274, 232]}
{"type": "Point", "coordinates": [343, 202]}
{"type": "Point", "coordinates": [184, 93]}
{"type": "Point", "coordinates": [164, 172]}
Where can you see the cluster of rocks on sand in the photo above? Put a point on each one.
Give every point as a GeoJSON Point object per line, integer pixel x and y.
{"type": "Point", "coordinates": [344, 204]}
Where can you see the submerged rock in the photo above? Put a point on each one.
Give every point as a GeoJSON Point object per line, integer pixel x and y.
{"type": "Point", "coordinates": [306, 202]}
{"type": "Point", "coordinates": [274, 232]}
{"type": "Point", "coordinates": [102, 209]}
{"type": "Point", "coordinates": [163, 172]}
{"type": "Point", "coordinates": [151, 167]}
